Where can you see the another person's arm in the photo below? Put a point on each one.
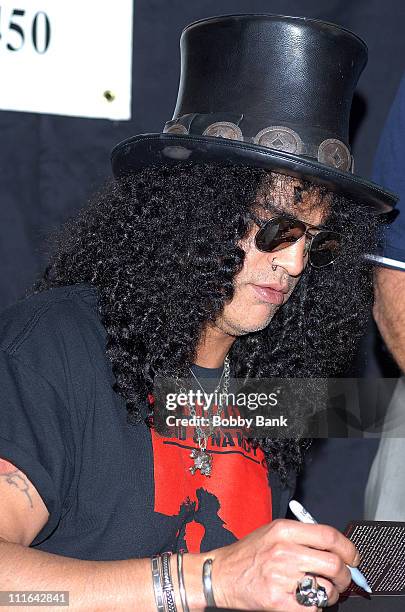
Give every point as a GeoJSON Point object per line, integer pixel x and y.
{"type": "Point", "coordinates": [258, 572]}
{"type": "Point", "coordinates": [389, 310]}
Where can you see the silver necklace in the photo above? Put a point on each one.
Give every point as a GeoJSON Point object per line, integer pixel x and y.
{"type": "Point", "coordinates": [203, 459]}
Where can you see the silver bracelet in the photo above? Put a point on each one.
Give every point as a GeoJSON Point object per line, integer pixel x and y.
{"type": "Point", "coordinates": [168, 589]}
{"type": "Point", "coordinates": [157, 583]}
{"type": "Point", "coordinates": [207, 583]}
{"type": "Point", "coordinates": [182, 588]}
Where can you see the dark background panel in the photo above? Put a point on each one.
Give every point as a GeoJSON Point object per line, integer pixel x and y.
{"type": "Point", "coordinates": [50, 165]}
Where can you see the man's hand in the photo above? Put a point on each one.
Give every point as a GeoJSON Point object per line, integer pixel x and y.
{"type": "Point", "coordinates": [260, 571]}
{"type": "Point", "coordinates": [389, 310]}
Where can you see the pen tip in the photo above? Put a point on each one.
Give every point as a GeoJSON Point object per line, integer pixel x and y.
{"type": "Point", "coordinates": [367, 589]}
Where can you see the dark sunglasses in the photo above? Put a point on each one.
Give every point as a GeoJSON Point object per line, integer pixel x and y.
{"type": "Point", "coordinates": [281, 232]}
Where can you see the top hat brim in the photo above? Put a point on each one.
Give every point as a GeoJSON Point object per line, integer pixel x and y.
{"type": "Point", "coordinates": [144, 150]}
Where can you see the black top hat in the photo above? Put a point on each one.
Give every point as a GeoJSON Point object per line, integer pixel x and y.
{"type": "Point", "coordinates": [266, 91]}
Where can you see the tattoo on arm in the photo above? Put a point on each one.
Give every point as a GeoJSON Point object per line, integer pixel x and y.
{"type": "Point", "coordinates": [12, 476]}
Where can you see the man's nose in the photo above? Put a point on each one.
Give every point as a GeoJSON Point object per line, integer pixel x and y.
{"type": "Point", "coordinates": [292, 259]}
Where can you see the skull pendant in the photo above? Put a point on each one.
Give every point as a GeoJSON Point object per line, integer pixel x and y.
{"type": "Point", "coordinates": [202, 461]}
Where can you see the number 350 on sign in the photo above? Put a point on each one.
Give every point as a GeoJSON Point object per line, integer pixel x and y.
{"type": "Point", "coordinates": [17, 28]}
{"type": "Point", "coordinates": [41, 71]}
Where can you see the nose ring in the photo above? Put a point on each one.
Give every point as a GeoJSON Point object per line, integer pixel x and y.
{"type": "Point", "coordinates": [273, 265]}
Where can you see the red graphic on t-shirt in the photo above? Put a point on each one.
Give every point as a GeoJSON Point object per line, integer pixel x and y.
{"type": "Point", "coordinates": [232, 502]}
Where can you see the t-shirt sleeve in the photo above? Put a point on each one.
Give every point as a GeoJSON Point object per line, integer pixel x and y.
{"type": "Point", "coordinates": [35, 434]}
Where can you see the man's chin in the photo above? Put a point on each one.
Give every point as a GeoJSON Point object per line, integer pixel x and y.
{"type": "Point", "coordinates": [241, 328]}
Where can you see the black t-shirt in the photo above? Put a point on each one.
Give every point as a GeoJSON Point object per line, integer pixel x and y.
{"type": "Point", "coordinates": [113, 490]}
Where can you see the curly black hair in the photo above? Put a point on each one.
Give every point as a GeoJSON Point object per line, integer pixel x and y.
{"type": "Point", "coordinates": [161, 246]}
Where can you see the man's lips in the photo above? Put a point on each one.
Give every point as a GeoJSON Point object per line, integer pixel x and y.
{"type": "Point", "coordinates": [273, 294]}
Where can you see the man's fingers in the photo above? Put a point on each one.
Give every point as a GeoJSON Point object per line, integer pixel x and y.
{"type": "Point", "coordinates": [321, 537]}
{"type": "Point", "coordinates": [299, 560]}
{"type": "Point", "coordinates": [326, 564]}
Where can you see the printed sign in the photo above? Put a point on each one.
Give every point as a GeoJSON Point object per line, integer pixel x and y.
{"type": "Point", "coordinates": [66, 58]}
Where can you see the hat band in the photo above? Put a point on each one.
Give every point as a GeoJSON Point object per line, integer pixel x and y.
{"type": "Point", "coordinates": [331, 152]}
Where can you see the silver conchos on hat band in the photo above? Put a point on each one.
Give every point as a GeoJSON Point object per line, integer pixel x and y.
{"type": "Point", "coordinates": [177, 128]}
{"type": "Point", "coordinates": [224, 129]}
{"type": "Point", "coordinates": [280, 138]}
{"type": "Point", "coordinates": [334, 153]}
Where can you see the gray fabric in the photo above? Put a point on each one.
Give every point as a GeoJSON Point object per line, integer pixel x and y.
{"type": "Point", "coordinates": [385, 491]}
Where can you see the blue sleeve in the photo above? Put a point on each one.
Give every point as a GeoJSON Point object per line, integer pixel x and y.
{"type": "Point", "coordinates": [389, 172]}
{"type": "Point", "coordinates": [35, 434]}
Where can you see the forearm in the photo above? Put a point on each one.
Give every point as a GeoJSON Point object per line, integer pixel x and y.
{"type": "Point", "coordinates": [389, 311]}
{"type": "Point", "coordinates": [93, 585]}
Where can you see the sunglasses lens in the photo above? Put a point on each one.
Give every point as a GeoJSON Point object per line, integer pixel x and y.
{"type": "Point", "coordinates": [325, 248]}
{"type": "Point", "coordinates": [279, 234]}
